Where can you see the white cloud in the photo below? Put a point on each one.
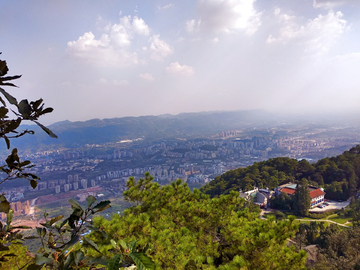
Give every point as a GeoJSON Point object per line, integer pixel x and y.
{"type": "Point", "coordinates": [176, 68]}
{"type": "Point", "coordinates": [165, 7]}
{"type": "Point", "coordinates": [114, 46]}
{"type": "Point", "coordinates": [318, 35]}
{"type": "Point", "coordinates": [146, 76]}
{"type": "Point", "coordinates": [328, 4]}
{"type": "Point", "coordinates": [140, 27]}
{"type": "Point", "coordinates": [159, 48]}
{"type": "Point", "coordinates": [226, 16]}
{"type": "Point", "coordinates": [101, 52]}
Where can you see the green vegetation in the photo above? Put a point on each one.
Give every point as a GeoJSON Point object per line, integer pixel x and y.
{"type": "Point", "coordinates": [301, 201]}
{"type": "Point", "coordinates": [180, 229]}
{"type": "Point", "coordinates": [338, 249]}
{"type": "Point", "coordinates": [172, 227]}
{"type": "Point", "coordinates": [339, 219]}
{"type": "Point", "coordinates": [338, 175]}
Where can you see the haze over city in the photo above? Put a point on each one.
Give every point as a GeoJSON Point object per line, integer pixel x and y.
{"type": "Point", "coordinates": [130, 58]}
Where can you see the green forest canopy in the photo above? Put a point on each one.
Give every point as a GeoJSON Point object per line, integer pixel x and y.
{"type": "Point", "coordinates": [338, 175]}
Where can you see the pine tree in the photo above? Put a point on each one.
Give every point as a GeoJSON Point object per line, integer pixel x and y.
{"type": "Point", "coordinates": [181, 229]}
{"type": "Point", "coordinates": [352, 184]}
{"type": "Point", "coordinates": [302, 198]}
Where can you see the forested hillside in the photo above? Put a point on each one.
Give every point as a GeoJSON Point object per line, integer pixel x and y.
{"type": "Point", "coordinates": [96, 131]}
{"type": "Point", "coordinates": [181, 229]}
{"type": "Point", "coordinates": [338, 175]}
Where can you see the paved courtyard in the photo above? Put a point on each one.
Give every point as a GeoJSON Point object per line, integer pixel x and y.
{"type": "Point", "coordinates": [332, 205]}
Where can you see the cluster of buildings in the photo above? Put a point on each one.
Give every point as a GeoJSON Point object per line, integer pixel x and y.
{"type": "Point", "coordinates": [191, 172]}
{"type": "Point", "coordinates": [19, 208]}
{"type": "Point", "coordinates": [262, 197]}
{"type": "Point", "coordinates": [64, 185]}
{"type": "Point", "coordinates": [317, 195]}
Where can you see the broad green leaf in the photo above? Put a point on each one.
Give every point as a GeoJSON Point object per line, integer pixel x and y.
{"type": "Point", "coordinates": [132, 246]}
{"type": "Point", "coordinates": [114, 262]}
{"type": "Point", "coordinates": [33, 183]}
{"type": "Point", "coordinates": [3, 112]}
{"type": "Point", "coordinates": [14, 155]}
{"type": "Point", "coordinates": [10, 78]}
{"type": "Point", "coordinates": [101, 206]}
{"type": "Point", "coordinates": [92, 244]}
{"type": "Point", "coordinates": [25, 163]}
{"type": "Point", "coordinates": [53, 220]}
{"type": "Point", "coordinates": [124, 245]}
{"type": "Point", "coordinates": [90, 200]}
{"type": "Point", "coordinates": [9, 217]}
{"type": "Point", "coordinates": [142, 261]}
{"type": "Point", "coordinates": [69, 260]}
{"type": "Point", "coordinates": [3, 68]}
{"type": "Point", "coordinates": [79, 256]}
{"type": "Point", "coordinates": [24, 108]}
{"type": "Point", "coordinates": [75, 205]}
{"type": "Point", "coordinates": [101, 260]}
{"type": "Point", "coordinates": [41, 260]}
{"type": "Point", "coordinates": [72, 242]}
{"type": "Point", "coordinates": [113, 243]}
{"type": "Point", "coordinates": [43, 232]}
{"type": "Point", "coordinates": [37, 103]}
{"type": "Point", "coordinates": [14, 124]}
{"type": "Point", "coordinates": [4, 206]}
{"type": "Point", "coordinates": [47, 110]}
{"type": "Point", "coordinates": [48, 131]}
{"type": "Point", "coordinates": [33, 176]}
{"type": "Point", "coordinates": [9, 97]}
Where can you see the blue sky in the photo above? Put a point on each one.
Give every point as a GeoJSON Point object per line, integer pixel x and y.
{"type": "Point", "coordinates": [104, 59]}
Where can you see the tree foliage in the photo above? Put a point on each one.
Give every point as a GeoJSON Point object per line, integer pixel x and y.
{"type": "Point", "coordinates": [181, 229]}
{"type": "Point", "coordinates": [339, 175]}
{"type": "Point", "coordinates": [339, 249]}
{"type": "Point", "coordinates": [9, 127]}
{"type": "Point", "coordinates": [302, 198]}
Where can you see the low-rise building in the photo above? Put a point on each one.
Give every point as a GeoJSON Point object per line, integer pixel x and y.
{"type": "Point", "coordinates": [317, 195]}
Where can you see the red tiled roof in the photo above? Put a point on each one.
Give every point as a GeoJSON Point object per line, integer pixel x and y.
{"type": "Point", "coordinates": [316, 193]}
{"type": "Point", "coordinates": [288, 190]}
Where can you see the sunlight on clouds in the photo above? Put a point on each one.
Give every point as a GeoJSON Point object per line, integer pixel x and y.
{"type": "Point", "coordinates": [225, 16]}
{"type": "Point", "coordinates": [159, 48]}
{"type": "Point", "coordinates": [140, 27]}
{"type": "Point", "coordinates": [114, 46]}
{"type": "Point", "coordinates": [176, 68]}
{"type": "Point", "coordinates": [318, 34]}
{"type": "Point", "coordinates": [101, 52]}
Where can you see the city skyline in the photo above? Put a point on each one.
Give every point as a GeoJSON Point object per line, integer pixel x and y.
{"type": "Point", "coordinates": [121, 58]}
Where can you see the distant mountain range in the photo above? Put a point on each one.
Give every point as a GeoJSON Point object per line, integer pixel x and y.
{"type": "Point", "coordinates": [184, 125]}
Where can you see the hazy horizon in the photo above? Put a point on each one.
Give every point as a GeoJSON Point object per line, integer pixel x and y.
{"type": "Point", "coordinates": [120, 58]}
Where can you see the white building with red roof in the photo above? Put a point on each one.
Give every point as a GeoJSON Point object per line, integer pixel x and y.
{"type": "Point", "coordinates": [317, 195]}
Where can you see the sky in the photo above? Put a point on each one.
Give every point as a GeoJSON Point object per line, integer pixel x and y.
{"type": "Point", "coordinates": [105, 59]}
